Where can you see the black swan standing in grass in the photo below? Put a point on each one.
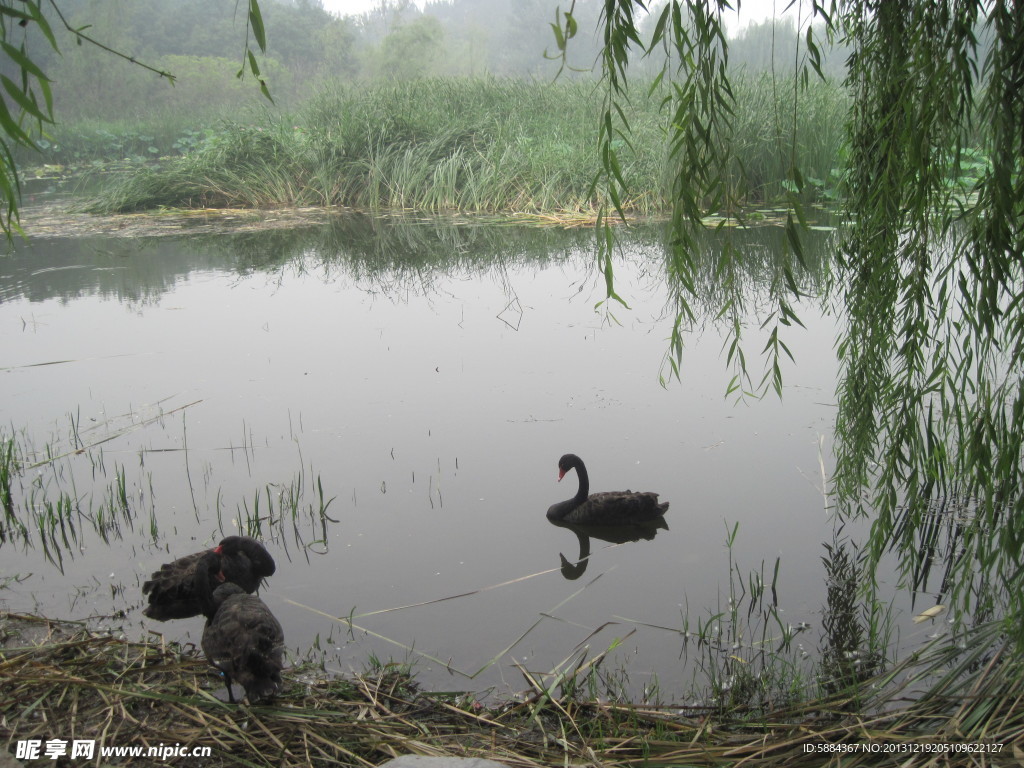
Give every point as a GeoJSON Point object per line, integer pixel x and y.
{"type": "Point", "coordinates": [242, 638]}
{"type": "Point", "coordinates": [610, 508]}
{"type": "Point", "coordinates": [171, 590]}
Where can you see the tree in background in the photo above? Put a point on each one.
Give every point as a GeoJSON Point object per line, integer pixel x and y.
{"type": "Point", "coordinates": [930, 276]}
{"type": "Point", "coordinates": [27, 107]}
{"type": "Point", "coordinates": [411, 49]}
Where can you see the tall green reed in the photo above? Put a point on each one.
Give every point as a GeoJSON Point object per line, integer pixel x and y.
{"type": "Point", "coordinates": [472, 145]}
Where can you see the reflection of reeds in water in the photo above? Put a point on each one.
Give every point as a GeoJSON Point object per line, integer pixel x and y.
{"type": "Point", "coordinates": [943, 527]}
{"type": "Point", "coordinates": [753, 700]}
{"type": "Point", "coordinates": [51, 496]}
{"type": "Point", "coordinates": [42, 505]}
{"type": "Point", "coordinates": [743, 655]}
{"type": "Point", "coordinates": [10, 462]}
{"type": "Point", "coordinates": [746, 650]}
{"type": "Point", "coordinates": [8, 466]}
{"type": "Point", "coordinates": [850, 626]}
{"type": "Point", "coordinates": [298, 507]}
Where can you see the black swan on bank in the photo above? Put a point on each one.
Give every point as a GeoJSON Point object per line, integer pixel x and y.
{"type": "Point", "coordinates": [242, 638]}
{"type": "Point", "coordinates": [609, 508]}
{"type": "Point", "coordinates": [171, 590]}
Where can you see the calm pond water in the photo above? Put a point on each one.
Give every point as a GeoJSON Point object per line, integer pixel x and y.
{"type": "Point", "coordinates": [425, 377]}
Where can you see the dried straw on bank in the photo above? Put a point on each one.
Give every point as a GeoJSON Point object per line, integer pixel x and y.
{"type": "Point", "coordinates": [80, 685]}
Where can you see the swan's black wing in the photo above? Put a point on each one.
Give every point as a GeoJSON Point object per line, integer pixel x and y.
{"type": "Point", "coordinates": [171, 590]}
{"type": "Point", "coordinates": [617, 508]}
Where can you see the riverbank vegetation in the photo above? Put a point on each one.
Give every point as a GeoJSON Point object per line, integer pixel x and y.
{"type": "Point", "coordinates": [434, 108]}
{"type": "Point", "coordinates": [932, 295]}
{"type": "Point", "coordinates": [473, 145]}
{"type": "Point", "coordinates": [927, 279]}
{"type": "Point", "coordinates": [65, 679]}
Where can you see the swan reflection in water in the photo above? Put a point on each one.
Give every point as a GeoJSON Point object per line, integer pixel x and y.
{"type": "Point", "coordinates": [614, 534]}
{"type": "Point", "coordinates": [615, 516]}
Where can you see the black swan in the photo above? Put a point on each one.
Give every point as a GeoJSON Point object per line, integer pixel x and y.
{"type": "Point", "coordinates": [242, 638]}
{"type": "Point", "coordinates": [611, 508]}
{"type": "Point", "coordinates": [171, 590]}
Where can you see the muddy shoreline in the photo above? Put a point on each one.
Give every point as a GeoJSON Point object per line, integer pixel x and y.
{"type": "Point", "coordinates": [60, 220]}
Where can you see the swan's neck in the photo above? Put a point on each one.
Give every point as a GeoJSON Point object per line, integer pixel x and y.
{"type": "Point", "coordinates": [584, 490]}
{"type": "Point", "coordinates": [584, 541]}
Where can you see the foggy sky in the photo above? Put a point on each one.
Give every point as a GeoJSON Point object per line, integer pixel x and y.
{"type": "Point", "coordinates": [750, 10]}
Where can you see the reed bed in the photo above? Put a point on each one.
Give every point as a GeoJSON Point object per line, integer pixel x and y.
{"type": "Point", "coordinates": [485, 145]}
{"type": "Point", "coordinates": [74, 683]}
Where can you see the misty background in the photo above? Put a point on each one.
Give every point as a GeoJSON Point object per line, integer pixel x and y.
{"type": "Point", "coordinates": [310, 48]}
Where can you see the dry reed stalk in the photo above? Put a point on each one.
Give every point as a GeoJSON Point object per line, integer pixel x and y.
{"type": "Point", "coordinates": [72, 683]}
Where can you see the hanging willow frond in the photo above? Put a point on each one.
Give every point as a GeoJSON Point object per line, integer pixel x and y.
{"type": "Point", "coordinates": [929, 276]}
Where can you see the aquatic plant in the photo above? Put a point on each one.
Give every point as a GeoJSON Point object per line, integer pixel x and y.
{"type": "Point", "coordinates": [44, 506]}
{"type": "Point", "coordinates": [460, 145]}
{"type": "Point", "coordinates": [854, 640]}
{"type": "Point", "coordinates": [930, 399]}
